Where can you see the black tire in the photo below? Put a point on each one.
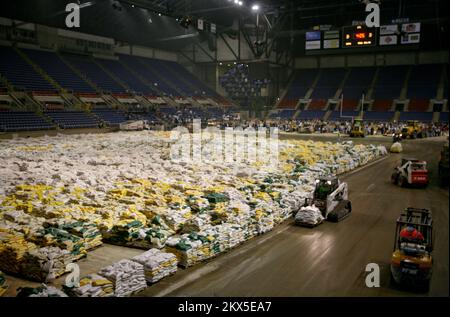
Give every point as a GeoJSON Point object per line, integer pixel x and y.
{"type": "Point", "coordinates": [401, 181]}
{"type": "Point", "coordinates": [394, 178]}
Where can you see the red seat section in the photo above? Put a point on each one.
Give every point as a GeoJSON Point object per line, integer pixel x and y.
{"type": "Point", "coordinates": [350, 104]}
{"type": "Point", "coordinates": [288, 103]}
{"type": "Point", "coordinates": [382, 105]}
{"type": "Point", "coordinates": [317, 104]}
{"type": "Point", "coordinates": [418, 105]}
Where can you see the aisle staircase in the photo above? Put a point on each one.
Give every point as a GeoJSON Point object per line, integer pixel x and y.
{"type": "Point", "coordinates": [110, 74]}
{"type": "Point", "coordinates": [79, 74]}
{"type": "Point", "coordinates": [38, 69]}
{"type": "Point", "coordinates": [161, 78]}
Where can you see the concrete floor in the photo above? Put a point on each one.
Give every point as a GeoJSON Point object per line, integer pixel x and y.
{"type": "Point", "coordinates": [328, 260]}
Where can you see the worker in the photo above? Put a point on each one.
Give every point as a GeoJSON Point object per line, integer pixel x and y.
{"type": "Point", "coordinates": [411, 234]}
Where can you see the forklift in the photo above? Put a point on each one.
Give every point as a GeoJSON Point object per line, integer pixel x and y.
{"type": "Point", "coordinates": [357, 129]}
{"type": "Point", "coordinates": [331, 198]}
{"type": "Point", "coordinates": [411, 262]}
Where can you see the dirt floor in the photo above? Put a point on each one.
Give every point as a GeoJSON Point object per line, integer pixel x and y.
{"type": "Point", "coordinates": [328, 260]}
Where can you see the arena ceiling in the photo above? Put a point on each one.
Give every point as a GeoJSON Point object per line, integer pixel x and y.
{"type": "Point", "coordinates": [139, 21]}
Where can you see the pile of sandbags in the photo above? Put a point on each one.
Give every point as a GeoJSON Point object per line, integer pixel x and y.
{"type": "Point", "coordinates": [61, 238]}
{"type": "Point", "coordinates": [41, 291]}
{"type": "Point", "coordinates": [189, 248]}
{"type": "Point", "coordinates": [157, 264]}
{"type": "Point", "coordinates": [127, 276]}
{"type": "Point", "coordinates": [396, 147]}
{"type": "Point", "coordinates": [45, 264]}
{"type": "Point", "coordinates": [92, 285]}
{"type": "Point", "coordinates": [3, 284]}
{"type": "Point", "coordinates": [131, 233]}
{"type": "Point", "coordinates": [309, 216]}
{"type": "Point", "coordinates": [13, 248]}
{"type": "Point", "coordinates": [87, 231]}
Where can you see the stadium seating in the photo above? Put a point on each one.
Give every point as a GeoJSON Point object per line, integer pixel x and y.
{"type": "Point", "coordinates": [159, 67]}
{"type": "Point", "coordinates": [317, 104]}
{"type": "Point", "coordinates": [194, 88]}
{"type": "Point", "coordinates": [443, 117]}
{"type": "Point", "coordinates": [378, 115]}
{"type": "Point", "coordinates": [283, 114]}
{"type": "Point", "coordinates": [346, 115]}
{"type": "Point", "coordinates": [418, 105]}
{"type": "Point", "coordinates": [120, 71]}
{"type": "Point", "coordinates": [137, 64]}
{"type": "Point", "coordinates": [91, 70]}
{"type": "Point", "coordinates": [11, 121]}
{"type": "Point", "coordinates": [357, 83]}
{"type": "Point", "coordinates": [382, 105]}
{"type": "Point", "coordinates": [328, 83]}
{"type": "Point", "coordinates": [419, 116]}
{"type": "Point", "coordinates": [19, 73]}
{"type": "Point", "coordinates": [311, 115]}
{"type": "Point", "coordinates": [52, 64]}
{"type": "Point", "coordinates": [110, 116]}
{"type": "Point", "coordinates": [388, 86]}
{"type": "Point", "coordinates": [303, 79]}
{"type": "Point", "coordinates": [424, 81]}
{"type": "Point", "coordinates": [72, 119]}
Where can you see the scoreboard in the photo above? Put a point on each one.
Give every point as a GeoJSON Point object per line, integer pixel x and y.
{"type": "Point", "coordinates": [358, 36]}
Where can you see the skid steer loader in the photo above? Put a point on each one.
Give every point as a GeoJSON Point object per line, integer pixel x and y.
{"type": "Point", "coordinates": [331, 198]}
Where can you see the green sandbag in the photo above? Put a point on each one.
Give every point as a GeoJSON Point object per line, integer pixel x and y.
{"type": "Point", "coordinates": [215, 198]}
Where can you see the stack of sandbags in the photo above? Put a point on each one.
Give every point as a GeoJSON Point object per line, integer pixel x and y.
{"type": "Point", "coordinates": [157, 264]}
{"type": "Point", "coordinates": [128, 233]}
{"type": "Point", "coordinates": [41, 291]}
{"type": "Point", "coordinates": [13, 247]}
{"type": "Point", "coordinates": [189, 248]}
{"type": "Point", "coordinates": [127, 276]}
{"type": "Point", "coordinates": [3, 284]}
{"type": "Point", "coordinates": [45, 264]}
{"type": "Point", "coordinates": [92, 285]}
{"type": "Point", "coordinates": [396, 148]}
{"type": "Point", "coordinates": [62, 239]}
{"type": "Point", "coordinates": [87, 231]}
{"type": "Point", "coordinates": [309, 216]}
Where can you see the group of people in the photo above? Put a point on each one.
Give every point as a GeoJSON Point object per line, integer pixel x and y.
{"type": "Point", "coordinates": [344, 127]}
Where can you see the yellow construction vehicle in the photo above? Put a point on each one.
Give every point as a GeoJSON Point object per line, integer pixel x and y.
{"type": "Point", "coordinates": [357, 129]}
{"type": "Point", "coordinates": [412, 130]}
{"type": "Point", "coordinates": [411, 262]}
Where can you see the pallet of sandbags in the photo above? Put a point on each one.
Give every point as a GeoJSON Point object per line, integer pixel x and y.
{"type": "Point", "coordinates": [157, 264]}
{"type": "Point", "coordinates": [87, 231]}
{"type": "Point", "coordinates": [45, 264]}
{"type": "Point", "coordinates": [13, 247]}
{"type": "Point", "coordinates": [40, 291]}
{"type": "Point", "coordinates": [92, 285]}
{"type": "Point", "coordinates": [127, 276]}
{"type": "Point", "coordinates": [64, 240]}
{"type": "Point", "coordinates": [189, 249]}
